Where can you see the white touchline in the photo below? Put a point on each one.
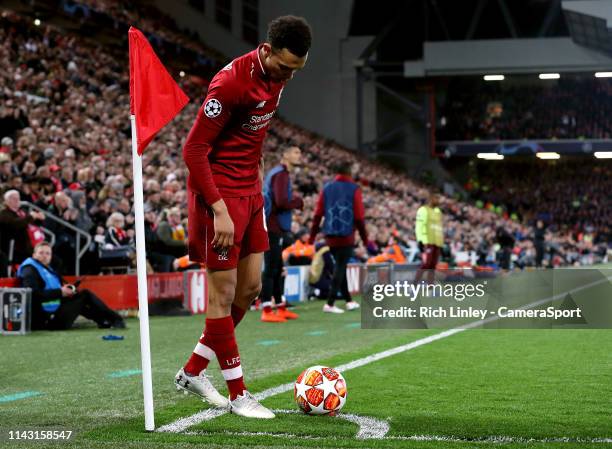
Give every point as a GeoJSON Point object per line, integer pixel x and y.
{"type": "Point", "coordinates": [182, 424]}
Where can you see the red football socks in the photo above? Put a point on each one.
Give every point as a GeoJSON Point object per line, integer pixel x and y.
{"type": "Point", "coordinates": [203, 354]}
{"type": "Point", "coordinates": [267, 307]}
{"type": "Point", "coordinates": [220, 337]}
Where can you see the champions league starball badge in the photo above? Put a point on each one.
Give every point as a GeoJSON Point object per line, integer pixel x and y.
{"type": "Point", "coordinates": [212, 108]}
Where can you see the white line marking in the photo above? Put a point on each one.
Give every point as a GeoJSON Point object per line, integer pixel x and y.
{"type": "Point", "coordinates": [369, 428]}
{"type": "Point", "coordinates": [426, 438]}
{"type": "Point", "coordinates": [183, 423]}
{"type": "Point", "coordinates": [180, 425]}
{"type": "Point", "coordinates": [500, 439]}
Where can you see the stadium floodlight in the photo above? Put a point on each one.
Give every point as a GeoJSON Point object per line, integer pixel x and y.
{"type": "Point", "coordinates": [548, 155]}
{"type": "Point", "coordinates": [37, 22]}
{"type": "Point", "coordinates": [490, 156]}
{"type": "Point", "coordinates": [603, 74]}
{"type": "Point", "coordinates": [181, 74]}
{"type": "Point", "coordinates": [494, 77]}
{"type": "Point", "coordinates": [549, 76]}
{"type": "Point", "coordinates": [603, 154]}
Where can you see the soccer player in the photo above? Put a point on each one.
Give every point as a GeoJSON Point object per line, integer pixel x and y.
{"type": "Point", "coordinates": [340, 204]}
{"type": "Point", "coordinates": [226, 218]}
{"type": "Point", "coordinates": [430, 236]}
{"type": "Point", "coordinates": [280, 201]}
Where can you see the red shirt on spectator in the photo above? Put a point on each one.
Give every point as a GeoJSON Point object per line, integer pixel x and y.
{"type": "Point", "coordinates": [223, 149]}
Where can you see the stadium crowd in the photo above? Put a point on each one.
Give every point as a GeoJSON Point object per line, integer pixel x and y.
{"type": "Point", "coordinates": [64, 124]}
{"type": "Point", "coordinates": [572, 107]}
{"type": "Point", "coordinates": [572, 195]}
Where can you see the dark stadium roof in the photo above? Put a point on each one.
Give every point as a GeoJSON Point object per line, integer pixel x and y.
{"type": "Point", "coordinates": [412, 22]}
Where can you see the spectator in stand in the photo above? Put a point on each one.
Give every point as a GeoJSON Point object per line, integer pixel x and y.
{"type": "Point", "coordinates": [6, 168]}
{"type": "Point", "coordinates": [171, 234]}
{"type": "Point", "coordinates": [159, 261]}
{"type": "Point", "coordinates": [17, 228]}
{"type": "Point", "coordinates": [56, 304]}
{"type": "Point", "coordinates": [506, 243]}
{"type": "Point", "coordinates": [279, 202]}
{"type": "Point", "coordinates": [116, 236]}
{"type": "Point", "coordinates": [539, 240]}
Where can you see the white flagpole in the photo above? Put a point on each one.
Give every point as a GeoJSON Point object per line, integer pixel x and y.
{"type": "Point", "coordinates": [141, 267]}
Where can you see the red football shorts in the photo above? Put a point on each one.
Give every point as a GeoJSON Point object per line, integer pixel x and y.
{"type": "Point", "coordinates": [429, 258]}
{"type": "Point", "coordinates": [250, 233]}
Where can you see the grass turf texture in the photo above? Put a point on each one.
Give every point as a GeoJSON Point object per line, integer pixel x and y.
{"type": "Point", "coordinates": [518, 383]}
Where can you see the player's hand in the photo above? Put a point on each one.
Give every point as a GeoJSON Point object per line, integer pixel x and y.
{"type": "Point", "coordinates": [68, 291]}
{"type": "Point", "coordinates": [224, 227]}
{"type": "Point", "coordinates": [300, 203]}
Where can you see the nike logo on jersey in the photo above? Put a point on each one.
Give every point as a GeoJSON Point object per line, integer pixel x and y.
{"type": "Point", "coordinates": [261, 105]}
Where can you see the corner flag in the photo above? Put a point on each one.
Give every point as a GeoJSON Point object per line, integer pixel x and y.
{"type": "Point", "coordinates": [155, 99]}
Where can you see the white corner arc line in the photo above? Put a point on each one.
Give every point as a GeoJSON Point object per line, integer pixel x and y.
{"type": "Point", "coordinates": [181, 424]}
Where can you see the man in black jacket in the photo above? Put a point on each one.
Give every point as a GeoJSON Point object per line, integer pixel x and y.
{"type": "Point", "coordinates": [14, 223]}
{"type": "Point", "coordinates": [55, 304]}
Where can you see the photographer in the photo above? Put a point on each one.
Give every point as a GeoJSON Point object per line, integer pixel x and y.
{"type": "Point", "coordinates": [55, 304]}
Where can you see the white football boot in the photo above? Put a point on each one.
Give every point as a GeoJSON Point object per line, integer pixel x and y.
{"type": "Point", "coordinates": [246, 405]}
{"type": "Point", "coordinates": [200, 386]}
{"type": "Point", "coordinates": [352, 305]}
{"type": "Point", "coordinates": [332, 309]}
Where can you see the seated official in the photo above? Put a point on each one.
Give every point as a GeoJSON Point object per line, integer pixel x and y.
{"type": "Point", "coordinates": [321, 272]}
{"type": "Point", "coordinates": [55, 304]}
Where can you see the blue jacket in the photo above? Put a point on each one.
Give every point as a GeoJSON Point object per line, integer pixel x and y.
{"type": "Point", "coordinates": [283, 216]}
{"type": "Point", "coordinates": [51, 279]}
{"type": "Point", "coordinates": [339, 213]}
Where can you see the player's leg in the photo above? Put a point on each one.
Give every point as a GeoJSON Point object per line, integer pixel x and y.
{"type": "Point", "coordinates": [425, 262]}
{"type": "Point", "coordinates": [336, 284]}
{"type": "Point", "coordinates": [345, 255]}
{"type": "Point", "coordinates": [221, 279]}
{"type": "Point", "coordinates": [279, 286]}
{"type": "Point", "coordinates": [216, 341]}
{"type": "Point", "coordinates": [271, 278]}
{"type": "Point", "coordinates": [219, 331]}
{"type": "Point", "coordinates": [249, 283]}
{"type": "Point", "coordinates": [248, 286]}
{"type": "Point", "coordinates": [434, 256]}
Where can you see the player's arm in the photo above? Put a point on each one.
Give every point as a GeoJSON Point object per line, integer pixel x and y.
{"type": "Point", "coordinates": [318, 216]}
{"type": "Point", "coordinates": [421, 226]}
{"type": "Point", "coordinates": [359, 217]}
{"type": "Point", "coordinates": [212, 117]}
{"type": "Point", "coordinates": [280, 186]}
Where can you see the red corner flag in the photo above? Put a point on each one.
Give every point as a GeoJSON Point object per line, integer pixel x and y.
{"type": "Point", "coordinates": [155, 98]}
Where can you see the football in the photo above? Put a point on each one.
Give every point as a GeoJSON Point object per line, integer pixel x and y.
{"type": "Point", "coordinates": [320, 390]}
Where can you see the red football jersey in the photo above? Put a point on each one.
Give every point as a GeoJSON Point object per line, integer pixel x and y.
{"type": "Point", "coordinates": [223, 149]}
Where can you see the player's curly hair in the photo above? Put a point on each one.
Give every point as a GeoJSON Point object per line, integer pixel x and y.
{"type": "Point", "coordinates": [292, 33]}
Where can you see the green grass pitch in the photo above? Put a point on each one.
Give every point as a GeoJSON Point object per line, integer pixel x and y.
{"type": "Point", "coordinates": [477, 388]}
